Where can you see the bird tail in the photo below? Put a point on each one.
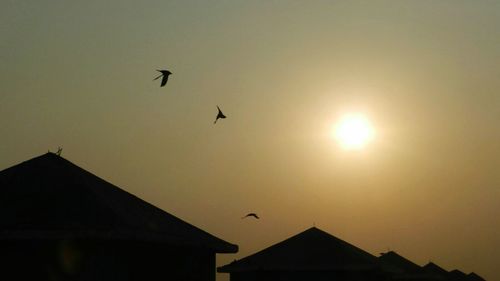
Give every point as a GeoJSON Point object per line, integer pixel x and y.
{"type": "Point", "coordinates": [157, 77]}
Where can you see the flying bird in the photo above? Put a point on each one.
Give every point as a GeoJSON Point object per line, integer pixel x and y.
{"type": "Point", "coordinates": [251, 215]}
{"type": "Point", "coordinates": [164, 74]}
{"type": "Point", "coordinates": [219, 115]}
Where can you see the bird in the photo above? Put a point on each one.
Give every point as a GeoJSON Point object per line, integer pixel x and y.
{"type": "Point", "coordinates": [59, 151]}
{"type": "Point", "coordinates": [251, 215]}
{"type": "Point", "coordinates": [164, 74]}
{"type": "Point", "coordinates": [219, 115]}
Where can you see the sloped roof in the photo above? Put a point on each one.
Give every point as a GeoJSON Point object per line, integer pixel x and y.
{"type": "Point", "coordinates": [457, 275]}
{"type": "Point", "coordinates": [312, 249]}
{"type": "Point", "coordinates": [436, 271]}
{"type": "Point", "coordinates": [393, 259]}
{"type": "Point", "coordinates": [474, 277]}
{"type": "Point", "coordinates": [404, 269]}
{"type": "Point", "coordinates": [49, 197]}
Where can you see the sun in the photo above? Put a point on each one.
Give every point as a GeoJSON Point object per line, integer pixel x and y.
{"type": "Point", "coordinates": [353, 131]}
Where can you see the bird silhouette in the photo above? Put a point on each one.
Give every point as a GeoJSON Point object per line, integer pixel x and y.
{"type": "Point", "coordinates": [164, 74]}
{"type": "Point", "coordinates": [251, 215]}
{"type": "Point", "coordinates": [219, 115]}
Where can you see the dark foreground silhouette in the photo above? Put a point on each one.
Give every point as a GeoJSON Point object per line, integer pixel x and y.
{"type": "Point", "coordinates": [60, 222]}
{"type": "Point", "coordinates": [319, 256]}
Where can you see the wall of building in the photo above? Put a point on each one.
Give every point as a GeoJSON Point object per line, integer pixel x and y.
{"type": "Point", "coordinates": [103, 260]}
{"type": "Point", "coordinates": [308, 276]}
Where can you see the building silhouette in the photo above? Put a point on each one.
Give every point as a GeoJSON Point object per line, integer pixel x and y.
{"type": "Point", "coordinates": [317, 255]}
{"type": "Point", "coordinates": [60, 222]}
{"type": "Point", "coordinates": [474, 277]}
{"type": "Point", "coordinates": [403, 269]}
{"type": "Point", "coordinates": [435, 271]}
{"type": "Point", "coordinates": [309, 255]}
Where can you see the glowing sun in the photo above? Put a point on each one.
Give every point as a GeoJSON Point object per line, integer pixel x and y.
{"type": "Point", "coordinates": [353, 131]}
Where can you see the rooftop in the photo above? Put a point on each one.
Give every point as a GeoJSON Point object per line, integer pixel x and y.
{"type": "Point", "coordinates": [312, 249]}
{"type": "Point", "coordinates": [48, 197]}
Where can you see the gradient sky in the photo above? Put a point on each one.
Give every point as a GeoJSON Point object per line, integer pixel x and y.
{"type": "Point", "coordinates": [78, 74]}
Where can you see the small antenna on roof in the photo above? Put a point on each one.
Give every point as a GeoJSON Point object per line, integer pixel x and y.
{"type": "Point", "coordinates": [59, 151]}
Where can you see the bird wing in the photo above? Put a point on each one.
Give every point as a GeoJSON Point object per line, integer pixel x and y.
{"type": "Point", "coordinates": [164, 80]}
{"type": "Point", "coordinates": [251, 215]}
{"type": "Point", "coordinates": [220, 114]}
{"type": "Point", "coordinates": [217, 118]}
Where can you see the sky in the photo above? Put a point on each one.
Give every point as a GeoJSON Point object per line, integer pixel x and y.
{"type": "Point", "coordinates": [78, 74]}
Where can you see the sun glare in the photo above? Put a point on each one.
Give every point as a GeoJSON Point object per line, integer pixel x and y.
{"type": "Point", "coordinates": [353, 131]}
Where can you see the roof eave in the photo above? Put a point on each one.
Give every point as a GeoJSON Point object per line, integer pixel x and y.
{"type": "Point", "coordinates": [227, 249]}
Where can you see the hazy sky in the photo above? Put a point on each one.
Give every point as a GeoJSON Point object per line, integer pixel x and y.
{"type": "Point", "coordinates": [78, 74]}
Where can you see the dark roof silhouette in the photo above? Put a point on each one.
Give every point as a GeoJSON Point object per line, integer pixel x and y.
{"type": "Point", "coordinates": [435, 271]}
{"type": "Point", "coordinates": [49, 197]}
{"type": "Point", "coordinates": [312, 249]}
{"type": "Point", "coordinates": [457, 275]}
{"type": "Point", "coordinates": [399, 264]}
{"type": "Point", "coordinates": [474, 277]}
